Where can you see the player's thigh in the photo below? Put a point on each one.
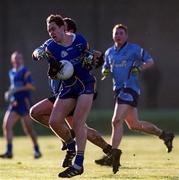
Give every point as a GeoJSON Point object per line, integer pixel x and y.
{"type": "Point", "coordinates": [61, 109]}
{"type": "Point", "coordinates": [10, 118]}
{"type": "Point", "coordinates": [83, 107]}
{"type": "Point", "coordinates": [120, 112]}
{"type": "Point", "coordinates": [26, 122]}
{"type": "Point", "coordinates": [132, 117]}
{"type": "Point", "coordinates": [43, 107]}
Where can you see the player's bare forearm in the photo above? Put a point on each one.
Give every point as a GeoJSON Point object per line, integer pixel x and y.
{"type": "Point", "coordinates": [147, 65]}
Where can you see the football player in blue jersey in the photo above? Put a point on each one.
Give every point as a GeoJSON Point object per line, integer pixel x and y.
{"type": "Point", "coordinates": [19, 97]}
{"type": "Point", "coordinates": [41, 111]}
{"type": "Point", "coordinates": [125, 61]}
{"type": "Point", "coordinates": [77, 91]}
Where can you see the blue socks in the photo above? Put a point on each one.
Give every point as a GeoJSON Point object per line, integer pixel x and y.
{"type": "Point", "coordinates": [78, 164]}
{"type": "Point", "coordinates": [71, 146]}
{"type": "Point", "coordinates": [36, 148]}
{"type": "Point", "coordinates": [9, 148]}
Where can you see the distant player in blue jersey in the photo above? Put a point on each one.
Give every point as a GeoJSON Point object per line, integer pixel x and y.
{"type": "Point", "coordinates": [125, 61]}
{"type": "Point", "coordinates": [19, 97]}
{"type": "Point", "coordinates": [77, 92]}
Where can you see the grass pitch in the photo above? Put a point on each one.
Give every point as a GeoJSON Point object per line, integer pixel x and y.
{"type": "Point", "coordinates": [144, 157]}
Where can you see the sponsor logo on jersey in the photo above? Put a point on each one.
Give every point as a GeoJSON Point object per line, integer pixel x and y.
{"type": "Point", "coordinates": [64, 54]}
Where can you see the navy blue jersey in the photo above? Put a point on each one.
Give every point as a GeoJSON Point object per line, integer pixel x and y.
{"type": "Point", "coordinates": [19, 78]}
{"type": "Point", "coordinates": [72, 53]}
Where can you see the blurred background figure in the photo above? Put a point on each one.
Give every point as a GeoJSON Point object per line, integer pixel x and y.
{"type": "Point", "coordinates": [19, 99]}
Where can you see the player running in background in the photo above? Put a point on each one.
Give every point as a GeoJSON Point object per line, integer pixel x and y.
{"type": "Point", "coordinates": [19, 95]}
{"type": "Point", "coordinates": [41, 111]}
{"type": "Point", "coordinates": [125, 61]}
{"type": "Point", "coordinates": [77, 92]}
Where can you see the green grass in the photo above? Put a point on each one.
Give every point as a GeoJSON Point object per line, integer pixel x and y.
{"type": "Point", "coordinates": [167, 119]}
{"type": "Point", "coordinates": [143, 157]}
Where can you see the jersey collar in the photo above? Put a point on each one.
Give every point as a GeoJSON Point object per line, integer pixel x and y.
{"type": "Point", "coordinates": [119, 49]}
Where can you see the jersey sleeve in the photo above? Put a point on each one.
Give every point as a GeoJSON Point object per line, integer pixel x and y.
{"type": "Point", "coordinates": [144, 55]}
{"type": "Point", "coordinates": [41, 48]}
{"type": "Point", "coordinates": [82, 43]}
{"type": "Point", "coordinates": [106, 64]}
{"type": "Point", "coordinates": [28, 77]}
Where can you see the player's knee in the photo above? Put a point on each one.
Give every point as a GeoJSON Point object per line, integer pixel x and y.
{"type": "Point", "coordinates": [116, 121]}
{"type": "Point", "coordinates": [53, 123]}
{"type": "Point", "coordinates": [6, 127]}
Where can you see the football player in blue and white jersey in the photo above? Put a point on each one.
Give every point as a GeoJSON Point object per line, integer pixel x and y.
{"type": "Point", "coordinates": [19, 96]}
{"type": "Point", "coordinates": [77, 92]}
{"type": "Point", "coordinates": [125, 61]}
{"type": "Point", "coordinates": [41, 111]}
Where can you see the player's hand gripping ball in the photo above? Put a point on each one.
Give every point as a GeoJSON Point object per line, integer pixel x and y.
{"type": "Point", "coordinates": [60, 70]}
{"type": "Point", "coordinates": [66, 71]}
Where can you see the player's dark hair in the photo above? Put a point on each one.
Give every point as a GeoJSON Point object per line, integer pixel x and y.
{"type": "Point", "coordinates": [71, 24]}
{"type": "Point", "coordinates": [55, 18]}
{"type": "Point", "coordinates": [122, 26]}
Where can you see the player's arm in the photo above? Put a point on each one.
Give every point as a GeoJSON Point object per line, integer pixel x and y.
{"type": "Point", "coordinates": [39, 54]}
{"type": "Point", "coordinates": [42, 53]}
{"type": "Point", "coordinates": [28, 86]}
{"type": "Point", "coordinates": [146, 65]}
{"type": "Point", "coordinates": [93, 59]}
{"type": "Point", "coordinates": [144, 62]}
{"type": "Point", "coordinates": [106, 66]}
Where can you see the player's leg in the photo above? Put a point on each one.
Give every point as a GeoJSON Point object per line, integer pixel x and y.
{"type": "Point", "coordinates": [94, 137]}
{"type": "Point", "coordinates": [57, 123]}
{"type": "Point", "coordinates": [9, 121]}
{"type": "Point", "coordinates": [134, 123]}
{"type": "Point", "coordinates": [81, 112]}
{"type": "Point", "coordinates": [29, 130]}
{"type": "Point", "coordinates": [40, 112]}
{"type": "Point", "coordinates": [113, 158]}
{"type": "Point", "coordinates": [69, 153]}
{"type": "Point", "coordinates": [120, 113]}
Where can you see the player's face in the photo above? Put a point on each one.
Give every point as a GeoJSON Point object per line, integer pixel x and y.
{"type": "Point", "coordinates": [16, 60]}
{"type": "Point", "coordinates": [55, 32]}
{"type": "Point", "coordinates": [119, 36]}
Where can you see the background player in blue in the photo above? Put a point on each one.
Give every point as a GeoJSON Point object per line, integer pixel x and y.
{"type": "Point", "coordinates": [77, 92]}
{"type": "Point", "coordinates": [125, 61]}
{"type": "Point", "coordinates": [20, 101]}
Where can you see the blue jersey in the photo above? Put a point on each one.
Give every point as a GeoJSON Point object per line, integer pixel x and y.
{"type": "Point", "coordinates": [19, 78]}
{"type": "Point", "coordinates": [72, 53]}
{"type": "Point", "coordinates": [120, 61]}
{"type": "Point", "coordinates": [20, 102]}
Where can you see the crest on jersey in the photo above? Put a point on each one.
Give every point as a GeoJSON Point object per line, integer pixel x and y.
{"type": "Point", "coordinates": [64, 54]}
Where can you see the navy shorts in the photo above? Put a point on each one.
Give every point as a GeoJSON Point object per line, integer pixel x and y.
{"type": "Point", "coordinates": [127, 96]}
{"type": "Point", "coordinates": [53, 98]}
{"type": "Point", "coordinates": [76, 89]}
{"type": "Point", "coordinates": [20, 106]}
